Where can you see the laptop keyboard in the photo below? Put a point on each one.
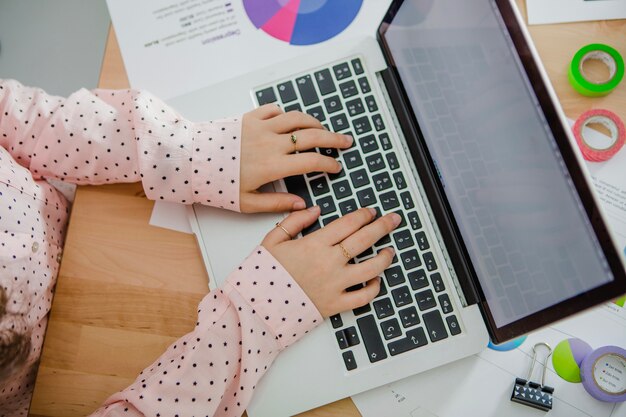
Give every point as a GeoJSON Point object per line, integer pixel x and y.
{"type": "Point", "coordinates": [413, 307]}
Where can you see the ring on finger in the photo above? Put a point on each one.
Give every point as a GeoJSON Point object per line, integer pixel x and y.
{"type": "Point", "coordinates": [284, 230]}
{"type": "Point", "coordinates": [294, 140]}
{"type": "Point", "coordinates": [345, 252]}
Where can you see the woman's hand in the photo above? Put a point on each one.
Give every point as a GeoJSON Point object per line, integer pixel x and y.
{"type": "Point", "coordinates": [319, 263]}
{"type": "Point", "coordinates": [267, 154]}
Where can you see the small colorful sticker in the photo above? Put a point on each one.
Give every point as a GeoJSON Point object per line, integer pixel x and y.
{"type": "Point", "coordinates": [620, 301]}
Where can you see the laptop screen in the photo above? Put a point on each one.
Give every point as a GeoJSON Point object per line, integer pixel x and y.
{"type": "Point", "coordinates": [519, 215]}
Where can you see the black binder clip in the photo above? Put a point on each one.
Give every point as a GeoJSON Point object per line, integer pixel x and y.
{"type": "Point", "coordinates": [531, 393]}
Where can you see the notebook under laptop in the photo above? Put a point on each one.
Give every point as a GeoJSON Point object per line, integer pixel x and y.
{"type": "Point", "coordinates": [457, 128]}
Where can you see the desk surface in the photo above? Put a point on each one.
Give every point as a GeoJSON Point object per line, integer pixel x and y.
{"type": "Point", "coordinates": [126, 290]}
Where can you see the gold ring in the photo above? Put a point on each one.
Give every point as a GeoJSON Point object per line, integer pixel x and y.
{"type": "Point", "coordinates": [347, 254]}
{"type": "Point", "coordinates": [284, 230]}
{"type": "Point", "coordinates": [294, 140]}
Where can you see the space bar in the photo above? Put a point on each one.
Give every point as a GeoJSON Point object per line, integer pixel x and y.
{"type": "Point", "coordinates": [297, 185]}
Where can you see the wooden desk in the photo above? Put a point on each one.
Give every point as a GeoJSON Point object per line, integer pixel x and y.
{"type": "Point", "coordinates": [127, 290]}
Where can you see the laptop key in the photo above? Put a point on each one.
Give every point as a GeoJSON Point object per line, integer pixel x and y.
{"type": "Point", "coordinates": [358, 67]}
{"type": "Point", "coordinates": [332, 152]}
{"type": "Point", "coordinates": [317, 112]}
{"type": "Point", "coordinates": [359, 178]}
{"type": "Point", "coordinates": [371, 338]}
{"type": "Point", "coordinates": [362, 125]}
{"type": "Point", "coordinates": [434, 326]}
{"type": "Point", "coordinates": [414, 339]}
{"type": "Point", "coordinates": [307, 90]}
{"type": "Point", "coordinates": [411, 259]}
{"type": "Point", "coordinates": [327, 205]}
{"type": "Point", "coordinates": [370, 102]}
{"type": "Point", "coordinates": [297, 185]}
{"type": "Point", "coordinates": [383, 241]}
{"type": "Point", "coordinates": [338, 175]}
{"type": "Point", "coordinates": [366, 197]}
{"type": "Point", "coordinates": [348, 206]}
{"type": "Point", "coordinates": [398, 177]}
{"type": "Point", "coordinates": [409, 317]}
{"type": "Point", "coordinates": [437, 281]}
{"type": "Point", "coordinates": [348, 89]}
{"type": "Point", "coordinates": [383, 308]}
{"type": "Point", "coordinates": [382, 181]}
{"type": "Point", "coordinates": [336, 321]}
{"type": "Point", "coordinates": [287, 92]}
{"type": "Point", "coordinates": [384, 140]}
{"type": "Point", "coordinates": [402, 296]}
{"type": "Point", "coordinates": [310, 229]}
{"type": "Point", "coordinates": [365, 85]}
{"type": "Point", "coordinates": [375, 162]}
{"type": "Point", "coordinates": [330, 219]}
{"type": "Point", "coordinates": [342, 189]}
{"type": "Point", "coordinates": [429, 260]}
{"type": "Point", "coordinates": [422, 241]}
{"type": "Point", "coordinates": [414, 221]}
{"type": "Point", "coordinates": [383, 289]}
{"type": "Point", "coordinates": [319, 186]}
{"type": "Point", "coordinates": [393, 160]}
{"type": "Point", "coordinates": [379, 125]}
{"type": "Point", "coordinates": [394, 275]}
{"type": "Point", "coordinates": [339, 122]}
{"type": "Point", "coordinates": [417, 279]}
{"type": "Point", "coordinates": [453, 325]}
{"type": "Point", "coordinates": [425, 300]}
{"type": "Point", "coordinates": [403, 239]}
{"type": "Point", "coordinates": [333, 104]}
{"type": "Point", "coordinates": [341, 339]}
{"type": "Point", "coordinates": [325, 82]}
{"type": "Point", "coordinates": [402, 219]}
{"type": "Point", "coordinates": [293, 107]}
{"type": "Point", "coordinates": [389, 200]}
{"type": "Point", "coordinates": [353, 159]}
{"type": "Point", "coordinates": [446, 305]}
{"type": "Point", "coordinates": [368, 143]}
{"type": "Point", "coordinates": [348, 360]}
{"type": "Point", "coordinates": [355, 107]}
{"type": "Point", "coordinates": [342, 71]}
{"type": "Point", "coordinates": [362, 310]}
{"type": "Point", "coordinates": [407, 200]}
{"type": "Point", "coordinates": [352, 336]}
{"type": "Point", "coordinates": [266, 96]}
{"type": "Point", "coordinates": [390, 329]}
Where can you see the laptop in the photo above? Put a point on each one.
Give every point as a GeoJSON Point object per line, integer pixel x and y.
{"type": "Point", "coordinates": [458, 130]}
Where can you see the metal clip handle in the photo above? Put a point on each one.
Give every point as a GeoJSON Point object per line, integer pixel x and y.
{"type": "Point", "coordinates": [544, 364]}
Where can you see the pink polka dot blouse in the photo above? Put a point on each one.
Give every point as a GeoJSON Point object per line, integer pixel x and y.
{"type": "Point", "coordinates": [104, 137]}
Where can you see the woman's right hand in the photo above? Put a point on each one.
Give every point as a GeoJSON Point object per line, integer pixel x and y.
{"type": "Point", "coordinates": [319, 263]}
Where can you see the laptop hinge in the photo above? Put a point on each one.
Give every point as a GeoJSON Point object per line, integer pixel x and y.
{"type": "Point", "coordinates": [426, 183]}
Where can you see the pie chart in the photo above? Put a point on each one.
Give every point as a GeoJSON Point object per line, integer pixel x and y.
{"type": "Point", "coordinates": [302, 22]}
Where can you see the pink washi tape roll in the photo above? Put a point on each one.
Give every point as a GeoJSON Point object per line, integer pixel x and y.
{"type": "Point", "coordinates": [603, 374]}
{"type": "Point", "coordinates": [614, 125]}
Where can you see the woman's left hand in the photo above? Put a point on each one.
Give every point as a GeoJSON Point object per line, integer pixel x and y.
{"type": "Point", "coordinates": [268, 154]}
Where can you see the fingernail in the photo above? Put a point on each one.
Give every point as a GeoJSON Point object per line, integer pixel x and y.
{"type": "Point", "coordinates": [392, 250]}
{"type": "Point", "coordinates": [299, 205]}
{"type": "Point", "coordinates": [372, 211]}
{"type": "Point", "coordinates": [396, 219]}
{"type": "Point", "coordinates": [349, 139]}
{"type": "Point", "coordinates": [313, 208]}
{"type": "Point", "coordinates": [340, 166]}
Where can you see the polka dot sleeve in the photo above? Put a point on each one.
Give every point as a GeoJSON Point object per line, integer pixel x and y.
{"type": "Point", "coordinates": [105, 136]}
{"type": "Point", "coordinates": [240, 329]}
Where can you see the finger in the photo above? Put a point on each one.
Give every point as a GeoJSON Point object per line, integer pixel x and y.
{"type": "Point", "coordinates": [353, 299]}
{"type": "Point", "coordinates": [294, 223]}
{"type": "Point", "coordinates": [305, 162]}
{"type": "Point", "coordinates": [371, 268]}
{"type": "Point", "coordinates": [266, 111]}
{"type": "Point", "coordinates": [343, 227]}
{"type": "Point", "coordinates": [311, 138]}
{"type": "Point", "coordinates": [293, 120]}
{"type": "Point", "coordinates": [271, 202]}
{"type": "Point", "coordinates": [365, 237]}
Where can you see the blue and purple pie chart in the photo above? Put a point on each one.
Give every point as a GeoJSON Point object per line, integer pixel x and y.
{"type": "Point", "coordinates": [302, 22]}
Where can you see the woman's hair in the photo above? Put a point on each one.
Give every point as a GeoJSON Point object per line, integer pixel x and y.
{"type": "Point", "coordinates": [14, 339]}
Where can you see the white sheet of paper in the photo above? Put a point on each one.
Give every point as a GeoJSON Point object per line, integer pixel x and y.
{"type": "Point", "coordinates": [172, 47]}
{"type": "Point", "coordinates": [561, 11]}
{"type": "Point", "coordinates": [481, 385]}
{"type": "Point", "coordinates": [171, 216]}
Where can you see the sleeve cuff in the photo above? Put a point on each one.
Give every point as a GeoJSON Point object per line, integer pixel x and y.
{"type": "Point", "coordinates": [274, 295]}
{"type": "Point", "coordinates": [215, 177]}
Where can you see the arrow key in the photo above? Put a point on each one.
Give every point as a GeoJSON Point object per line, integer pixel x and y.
{"type": "Point", "coordinates": [434, 325]}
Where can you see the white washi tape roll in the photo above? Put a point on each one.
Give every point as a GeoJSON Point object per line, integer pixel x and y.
{"type": "Point", "coordinates": [603, 374]}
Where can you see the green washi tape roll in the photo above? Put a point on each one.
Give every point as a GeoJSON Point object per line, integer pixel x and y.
{"type": "Point", "coordinates": [609, 56]}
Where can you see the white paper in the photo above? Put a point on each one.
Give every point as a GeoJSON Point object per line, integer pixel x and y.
{"type": "Point", "coordinates": [172, 47]}
{"type": "Point", "coordinates": [481, 385]}
{"type": "Point", "coordinates": [171, 216]}
{"type": "Point", "coordinates": [561, 11]}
